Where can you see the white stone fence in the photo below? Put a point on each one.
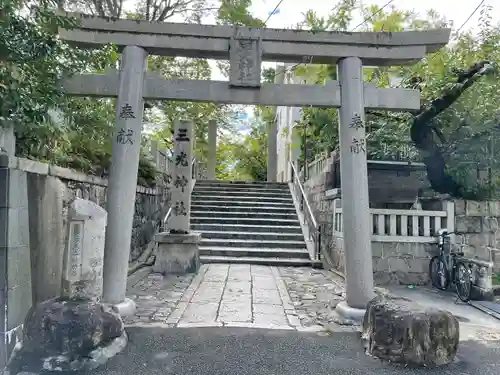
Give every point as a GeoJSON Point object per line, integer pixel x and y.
{"type": "Point", "coordinates": [398, 225]}
{"type": "Point", "coordinates": [317, 166]}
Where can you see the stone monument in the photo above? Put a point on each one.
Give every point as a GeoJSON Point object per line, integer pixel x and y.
{"type": "Point", "coordinates": [75, 331]}
{"type": "Point", "coordinates": [178, 247]}
{"type": "Point", "coordinates": [84, 253]}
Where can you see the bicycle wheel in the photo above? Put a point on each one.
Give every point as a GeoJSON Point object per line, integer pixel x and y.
{"type": "Point", "coordinates": [438, 273]}
{"type": "Point", "coordinates": [463, 282]}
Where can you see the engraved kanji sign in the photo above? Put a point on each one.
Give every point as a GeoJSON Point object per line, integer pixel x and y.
{"type": "Point", "coordinates": [245, 58]}
{"type": "Point", "coordinates": [182, 177]}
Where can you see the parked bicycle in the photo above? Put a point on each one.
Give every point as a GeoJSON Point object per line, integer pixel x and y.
{"type": "Point", "coordinates": [446, 268]}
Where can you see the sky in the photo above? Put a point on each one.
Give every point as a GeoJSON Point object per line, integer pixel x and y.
{"type": "Point", "coordinates": [291, 12]}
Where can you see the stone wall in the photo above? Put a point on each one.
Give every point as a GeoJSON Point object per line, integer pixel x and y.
{"type": "Point", "coordinates": [404, 262]}
{"type": "Point", "coordinates": [407, 262]}
{"type": "Point", "coordinates": [477, 226]}
{"type": "Point", "coordinates": [50, 188]}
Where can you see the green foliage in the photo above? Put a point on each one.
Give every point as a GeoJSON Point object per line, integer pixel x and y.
{"type": "Point", "coordinates": [468, 128]}
{"type": "Point", "coordinates": [251, 154]}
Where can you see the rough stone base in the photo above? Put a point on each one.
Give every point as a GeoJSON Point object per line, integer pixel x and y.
{"type": "Point", "coordinates": [177, 253]}
{"type": "Point", "coordinates": [401, 331]}
{"type": "Point", "coordinates": [68, 335]}
{"type": "Point", "coordinates": [349, 315]}
{"type": "Point", "coordinates": [126, 308]}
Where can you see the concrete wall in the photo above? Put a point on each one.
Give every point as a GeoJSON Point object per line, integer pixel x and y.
{"type": "Point", "coordinates": [15, 273]}
{"type": "Point", "coordinates": [50, 188]}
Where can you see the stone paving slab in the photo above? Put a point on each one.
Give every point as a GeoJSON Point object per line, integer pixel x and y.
{"type": "Point", "coordinates": [236, 295]}
{"type": "Point", "coordinates": [157, 298]}
{"type": "Point", "coordinates": [314, 294]}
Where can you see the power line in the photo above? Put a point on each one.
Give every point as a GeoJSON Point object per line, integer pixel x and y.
{"type": "Point", "coordinates": [461, 27]}
{"type": "Point", "coordinates": [468, 18]}
{"type": "Point", "coordinates": [375, 13]}
{"type": "Point", "coordinates": [272, 13]}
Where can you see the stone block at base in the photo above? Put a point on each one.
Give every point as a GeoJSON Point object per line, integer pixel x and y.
{"type": "Point", "coordinates": [126, 308]}
{"type": "Point", "coordinates": [350, 315]}
{"type": "Point", "coordinates": [68, 335]}
{"type": "Point", "coordinates": [177, 253]}
{"type": "Point", "coordinates": [402, 331]}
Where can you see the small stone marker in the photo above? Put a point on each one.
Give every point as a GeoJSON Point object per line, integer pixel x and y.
{"type": "Point", "coordinates": [84, 253]}
{"type": "Point", "coordinates": [181, 180]}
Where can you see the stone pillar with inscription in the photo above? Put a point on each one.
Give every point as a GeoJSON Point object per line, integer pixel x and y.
{"type": "Point", "coordinates": [354, 185]}
{"type": "Point", "coordinates": [212, 149]}
{"type": "Point", "coordinates": [122, 179]}
{"type": "Point", "coordinates": [178, 247]}
{"type": "Point", "coordinates": [84, 253]}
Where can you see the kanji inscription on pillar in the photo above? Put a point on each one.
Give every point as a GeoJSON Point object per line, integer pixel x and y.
{"type": "Point", "coordinates": [356, 122]}
{"type": "Point", "coordinates": [126, 112]}
{"type": "Point", "coordinates": [182, 177]}
{"type": "Point", "coordinates": [357, 146]}
{"type": "Point", "coordinates": [245, 58]}
{"type": "Point", "coordinates": [125, 136]}
{"type": "Point", "coordinates": [83, 263]}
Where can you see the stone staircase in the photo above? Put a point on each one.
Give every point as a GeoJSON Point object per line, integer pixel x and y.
{"type": "Point", "coordinates": [248, 222]}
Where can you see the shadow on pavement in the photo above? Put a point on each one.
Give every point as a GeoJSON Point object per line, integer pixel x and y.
{"type": "Point", "coordinates": [240, 351]}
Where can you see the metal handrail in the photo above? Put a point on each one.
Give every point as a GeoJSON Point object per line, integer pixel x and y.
{"type": "Point", "coordinates": [314, 228]}
{"type": "Point", "coordinates": [169, 212]}
{"type": "Point", "coordinates": [302, 192]}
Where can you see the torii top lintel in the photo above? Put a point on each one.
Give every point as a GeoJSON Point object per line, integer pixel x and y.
{"type": "Point", "coordinates": [292, 46]}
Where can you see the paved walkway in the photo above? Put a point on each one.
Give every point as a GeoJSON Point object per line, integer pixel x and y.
{"type": "Point", "coordinates": [219, 295]}
{"type": "Point", "coordinates": [287, 298]}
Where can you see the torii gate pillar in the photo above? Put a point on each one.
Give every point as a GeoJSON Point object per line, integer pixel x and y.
{"type": "Point", "coordinates": [354, 186]}
{"type": "Point", "coordinates": [122, 185]}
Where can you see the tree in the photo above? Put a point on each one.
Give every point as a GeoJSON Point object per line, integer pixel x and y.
{"type": "Point", "coordinates": [251, 153]}
{"type": "Point", "coordinates": [455, 129]}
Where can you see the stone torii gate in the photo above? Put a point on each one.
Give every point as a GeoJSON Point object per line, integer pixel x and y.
{"type": "Point", "coordinates": [246, 48]}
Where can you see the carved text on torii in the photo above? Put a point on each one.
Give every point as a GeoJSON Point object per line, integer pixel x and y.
{"type": "Point", "coordinates": [245, 57]}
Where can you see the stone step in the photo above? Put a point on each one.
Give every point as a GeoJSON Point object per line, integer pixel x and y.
{"type": "Point", "coordinates": [267, 244]}
{"type": "Point", "coordinates": [244, 215]}
{"type": "Point", "coordinates": [236, 188]}
{"type": "Point", "coordinates": [254, 252]}
{"type": "Point", "coordinates": [241, 193]}
{"type": "Point", "coordinates": [235, 203]}
{"type": "Point", "coordinates": [246, 228]}
{"type": "Point", "coordinates": [242, 198]}
{"type": "Point", "coordinates": [283, 262]}
{"type": "Point", "coordinates": [268, 221]}
{"type": "Point", "coordinates": [259, 184]}
{"type": "Point", "coordinates": [241, 235]}
{"type": "Point", "coordinates": [245, 207]}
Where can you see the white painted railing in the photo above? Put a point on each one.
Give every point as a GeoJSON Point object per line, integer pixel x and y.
{"type": "Point", "coordinates": [316, 167]}
{"type": "Point", "coordinates": [393, 225]}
